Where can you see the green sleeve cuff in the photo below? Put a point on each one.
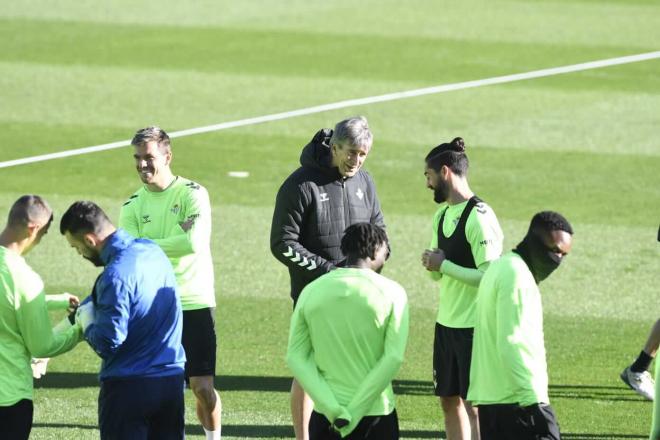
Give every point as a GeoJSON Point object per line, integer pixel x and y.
{"type": "Point", "coordinates": [57, 302]}
{"type": "Point", "coordinates": [467, 275]}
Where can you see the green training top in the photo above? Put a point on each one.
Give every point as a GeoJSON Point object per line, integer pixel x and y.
{"type": "Point", "coordinates": [178, 219]}
{"type": "Point", "coordinates": [508, 352]}
{"type": "Point", "coordinates": [482, 230]}
{"type": "Point", "coordinates": [655, 428]}
{"type": "Point", "coordinates": [25, 329]}
{"type": "Point", "coordinates": [346, 343]}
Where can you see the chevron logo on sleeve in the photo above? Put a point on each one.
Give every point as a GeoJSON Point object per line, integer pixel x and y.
{"type": "Point", "coordinates": [296, 257]}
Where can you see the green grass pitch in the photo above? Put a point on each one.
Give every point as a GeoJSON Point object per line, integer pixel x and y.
{"type": "Point", "coordinates": [79, 73]}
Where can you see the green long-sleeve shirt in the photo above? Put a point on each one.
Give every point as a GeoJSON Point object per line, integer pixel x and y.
{"type": "Point", "coordinates": [508, 351]}
{"type": "Point", "coordinates": [25, 328]}
{"type": "Point", "coordinates": [456, 307]}
{"type": "Point", "coordinates": [178, 219]}
{"type": "Point", "coordinates": [346, 343]}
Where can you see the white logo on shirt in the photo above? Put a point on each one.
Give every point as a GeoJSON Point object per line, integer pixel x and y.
{"type": "Point", "coordinates": [359, 193]}
{"type": "Point", "coordinates": [324, 197]}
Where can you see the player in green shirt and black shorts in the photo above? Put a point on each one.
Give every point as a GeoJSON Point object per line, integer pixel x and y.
{"type": "Point", "coordinates": [25, 329]}
{"type": "Point", "coordinates": [509, 375]}
{"type": "Point", "coordinates": [347, 340]}
{"type": "Point", "coordinates": [175, 213]}
{"type": "Point", "coordinates": [466, 237]}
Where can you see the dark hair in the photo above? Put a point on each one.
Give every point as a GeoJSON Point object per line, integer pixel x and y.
{"type": "Point", "coordinates": [152, 133]}
{"type": "Point", "coordinates": [361, 240]}
{"type": "Point", "coordinates": [450, 154]}
{"type": "Point", "coordinates": [84, 217]}
{"type": "Point", "coordinates": [28, 209]}
{"type": "Point", "coordinates": [548, 221]}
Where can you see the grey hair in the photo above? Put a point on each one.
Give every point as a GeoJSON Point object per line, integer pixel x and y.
{"type": "Point", "coordinates": [152, 133]}
{"type": "Point", "coordinates": [29, 209]}
{"type": "Point", "coordinates": [353, 131]}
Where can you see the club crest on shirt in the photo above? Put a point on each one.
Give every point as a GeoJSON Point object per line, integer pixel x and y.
{"type": "Point", "coordinates": [175, 209]}
{"type": "Point", "coordinates": [359, 193]}
{"type": "Point", "coordinates": [323, 197]}
{"type": "Point", "coordinates": [146, 219]}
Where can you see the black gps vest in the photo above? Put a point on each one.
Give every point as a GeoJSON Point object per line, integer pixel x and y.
{"type": "Point", "coordinates": [456, 247]}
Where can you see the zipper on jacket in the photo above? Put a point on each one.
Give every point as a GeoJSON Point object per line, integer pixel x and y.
{"type": "Point", "coordinates": [347, 206]}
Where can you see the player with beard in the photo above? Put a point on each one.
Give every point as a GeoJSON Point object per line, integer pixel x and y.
{"type": "Point", "coordinates": [132, 320]}
{"type": "Point", "coordinates": [347, 340]}
{"type": "Point", "coordinates": [466, 238]}
{"type": "Point", "coordinates": [509, 376]}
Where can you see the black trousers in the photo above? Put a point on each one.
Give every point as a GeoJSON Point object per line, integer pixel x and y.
{"type": "Point", "coordinates": [145, 408]}
{"type": "Point", "coordinates": [370, 427]}
{"type": "Point", "coordinates": [514, 422]}
{"type": "Point", "coordinates": [16, 420]}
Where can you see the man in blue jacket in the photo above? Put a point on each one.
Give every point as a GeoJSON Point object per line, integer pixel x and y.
{"type": "Point", "coordinates": [132, 320]}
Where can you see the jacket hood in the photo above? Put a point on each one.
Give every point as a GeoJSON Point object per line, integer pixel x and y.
{"type": "Point", "coordinates": [316, 154]}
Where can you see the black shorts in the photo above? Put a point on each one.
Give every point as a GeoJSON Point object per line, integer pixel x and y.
{"type": "Point", "coordinates": [199, 342]}
{"type": "Point", "coordinates": [142, 408]}
{"type": "Point", "coordinates": [514, 422]}
{"type": "Point", "coordinates": [452, 355]}
{"type": "Point", "coordinates": [369, 428]}
{"type": "Point", "coordinates": [16, 420]}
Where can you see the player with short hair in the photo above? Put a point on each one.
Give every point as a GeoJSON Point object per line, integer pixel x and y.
{"type": "Point", "coordinates": [25, 329]}
{"type": "Point", "coordinates": [132, 320]}
{"type": "Point", "coordinates": [466, 238]}
{"type": "Point", "coordinates": [175, 213]}
{"type": "Point", "coordinates": [347, 340]}
{"type": "Point", "coordinates": [509, 374]}
{"type": "Point", "coordinates": [316, 203]}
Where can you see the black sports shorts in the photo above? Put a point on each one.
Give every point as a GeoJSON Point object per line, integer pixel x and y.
{"type": "Point", "coordinates": [199, 341]}
{"type": "Point", "coordinates": [515, 422]}
{"type": "Point", "coordinates": [452, 355]}
{"type": "Point", "coordinates": [369, 428]}
{"type": "Point", "coordinates": [16, 420]}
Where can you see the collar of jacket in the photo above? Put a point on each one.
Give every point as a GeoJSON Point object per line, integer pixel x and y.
{"type": "Point", "coordinates": [116, 242]}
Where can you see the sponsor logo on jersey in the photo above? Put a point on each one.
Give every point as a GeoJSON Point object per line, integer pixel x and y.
{"type": "Point", "coordinates": [192, 185]}
{"type": "Point", "coordinates": [324, 197]}
{"type": "Point", "coordinates": [146, 219]}
{"type": "Point", "coordinates": [359, 193]}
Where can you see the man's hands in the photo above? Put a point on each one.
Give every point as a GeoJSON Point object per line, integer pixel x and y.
{"type": "Point", "coordinates": [74, 302]}
{"type": "Point", "coordinates": [85, 315]}
{"type": "Point", "coordinates": [433, 259]}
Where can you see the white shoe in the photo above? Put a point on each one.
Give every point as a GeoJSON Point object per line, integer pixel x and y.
{"type": "Point", "coordinates": [641, 383]}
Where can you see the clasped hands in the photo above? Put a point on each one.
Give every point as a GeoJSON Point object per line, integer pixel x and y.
{"type": "Point", "coordinates": [432, 259]}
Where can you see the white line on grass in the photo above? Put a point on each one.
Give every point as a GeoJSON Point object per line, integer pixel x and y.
{"type": "Point", "coordinates": [353, 103]}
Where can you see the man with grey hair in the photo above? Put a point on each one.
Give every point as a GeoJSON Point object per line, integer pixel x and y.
{"type": "Point", "coordinates": [328, 193]}
{"type": "Point", "coordinates": [25, 329]}
{"type": "Point", "coordinates": [175, 213]}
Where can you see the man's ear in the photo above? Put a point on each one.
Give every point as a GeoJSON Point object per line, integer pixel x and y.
{"type": "Point", "coordinates": [90, 239]}
{"type": "Point", "coordinates": [33, 229]}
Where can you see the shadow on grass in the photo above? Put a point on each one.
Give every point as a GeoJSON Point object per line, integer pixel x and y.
{"type": "Point", "coordinates": [594, 392]}
{"type": "Point", "coordinates": [401, 387]}
{"type": "Point", "coordinates": [223, 383]}
{"type": "Point", "coordinates": [600, 436]}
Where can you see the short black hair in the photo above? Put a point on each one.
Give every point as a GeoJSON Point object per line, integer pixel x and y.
{"type": "Point", "coordinates": [84, 217]}
{"type": "Point", "coordinates": [361, 240]}
{"type": "Point", "coordinates": [451, 154]}
{"type": "Point", "coordinates": [27, 209]}
{"type": "Point", "coordinates": [548, 221]}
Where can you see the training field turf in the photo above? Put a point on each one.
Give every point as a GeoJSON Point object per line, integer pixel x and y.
{"type": "Point", "coordinates": [80, 73]}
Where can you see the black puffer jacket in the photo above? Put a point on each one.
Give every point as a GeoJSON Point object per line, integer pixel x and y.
{"type": "Point", "coordinates": [313, 208]}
